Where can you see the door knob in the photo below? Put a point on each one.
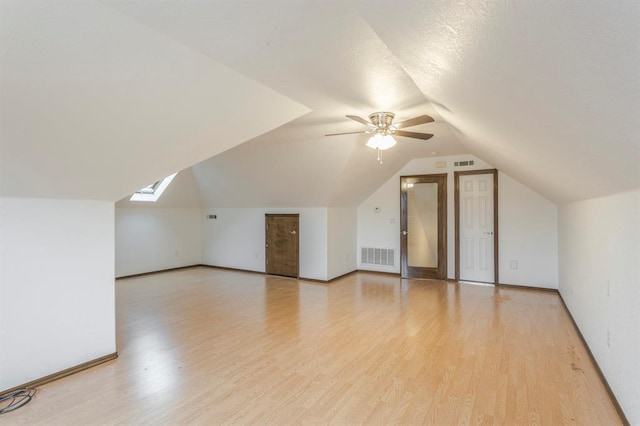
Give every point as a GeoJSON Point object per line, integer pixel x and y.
{"type": "Point", "coordinates": [488, 233]}
{"type": "Point", "coordinates": [404, 232]}
{"type": "Point", "coordinates": [292, 232]}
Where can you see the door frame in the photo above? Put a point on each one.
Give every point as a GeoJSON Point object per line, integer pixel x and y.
{"type": "Point", "coordinates": [266, 224]}
{"type": "Point", "coordinates": [440, 272]}
{"type": "Point", "coordinates": [456, 201]}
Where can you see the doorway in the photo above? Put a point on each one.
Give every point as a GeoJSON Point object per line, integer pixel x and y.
{"type": "Point", "coordinates": [282, 244]}
{"type": "Point", "coordinates": [476, 225]}
{"type": "Point", "coordinates": [423, 226]}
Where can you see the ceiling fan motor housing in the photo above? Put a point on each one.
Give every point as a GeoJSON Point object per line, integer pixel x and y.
{"type": "Point", "coordinates": [382, 121]}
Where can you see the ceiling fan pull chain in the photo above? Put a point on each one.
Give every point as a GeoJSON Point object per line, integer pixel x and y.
{"type": "Point", "coordinates": [379, 155]}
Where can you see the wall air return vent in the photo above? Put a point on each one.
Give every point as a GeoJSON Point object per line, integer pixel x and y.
{"type": "Point", "coordinates": [463, 163]}
{"type": "Point", "coordinates": [378, 256]}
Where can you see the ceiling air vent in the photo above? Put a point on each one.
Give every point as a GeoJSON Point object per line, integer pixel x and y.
{"type": "Point", "coordinates": [463, 163]}
{"type": "Point", "coordinates": [378, 256]}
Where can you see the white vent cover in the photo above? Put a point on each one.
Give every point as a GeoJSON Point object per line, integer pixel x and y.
{"type": "Point", "coordinates": [378, 256]}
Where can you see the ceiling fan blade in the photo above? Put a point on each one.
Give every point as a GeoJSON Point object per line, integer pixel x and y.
{"type": "Point", "coordinates": [413, 121]}
{"type": "Point", "coordinates": [416, 135]}
{"type": "Point", "coordinates": [347, 133]}
{"type": "Point", "coordinates": [359, 120]}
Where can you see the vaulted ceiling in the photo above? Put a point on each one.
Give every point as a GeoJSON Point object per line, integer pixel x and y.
{"type": "Point", "coordinates": [101, 98]}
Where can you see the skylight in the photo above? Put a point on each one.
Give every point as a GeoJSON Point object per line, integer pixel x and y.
{"type": "Point", "coordinates": [154, 191]}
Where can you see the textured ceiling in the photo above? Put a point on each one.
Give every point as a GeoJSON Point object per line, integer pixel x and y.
{"type": "Point", "coordinates": [546, 91]}
{"type": "Point", "coordinates": [94, 105]}
{"type": "Point", "coordinates": [323, 55]}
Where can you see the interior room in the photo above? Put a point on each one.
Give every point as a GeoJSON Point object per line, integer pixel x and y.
{"type": "Point", "coordinates": [268, 110]}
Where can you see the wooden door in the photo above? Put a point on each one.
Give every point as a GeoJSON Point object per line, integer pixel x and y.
{"type": "Point", "coordinates": [476, 226]}
{"type": "Point", "coordinates": [423, 226]}
{"type": "Point", "coordinates": [282, 245]}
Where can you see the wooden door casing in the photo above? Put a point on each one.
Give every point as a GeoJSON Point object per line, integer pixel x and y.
{"type": "Point", "coordinates": [456, 197]}
{"type": "Point", "coordinates": [476, 227]}
{"type": "Point", "coordinates": [282, 244]}
{"type": "Point", "coordinates": [407, 271]}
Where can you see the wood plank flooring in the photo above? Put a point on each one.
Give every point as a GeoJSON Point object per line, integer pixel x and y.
{"type": "Point", "coordinates": [207, 346]}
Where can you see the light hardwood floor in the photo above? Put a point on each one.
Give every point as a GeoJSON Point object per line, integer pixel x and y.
{"type": "Point", "coordinates": [207, 346]}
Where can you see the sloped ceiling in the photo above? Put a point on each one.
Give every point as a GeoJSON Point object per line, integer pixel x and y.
{"type": "Point", "coordinates": [546, 91]}
{"type": "Point", "coordinates": [95, 105]}
{"type": "Point", "coordinates": [323, 55]}
{"type": "Point", "coordinates": [182, 193]}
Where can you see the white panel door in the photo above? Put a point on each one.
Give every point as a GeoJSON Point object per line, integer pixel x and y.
{"type": "Point", "coordinates": [476, 228]}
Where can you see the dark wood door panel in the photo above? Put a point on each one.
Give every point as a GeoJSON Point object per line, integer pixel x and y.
{"type": "Point", "coordinates": [282, 244]}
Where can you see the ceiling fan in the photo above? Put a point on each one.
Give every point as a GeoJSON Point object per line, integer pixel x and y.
{"type": "Point", "coordinates": [381, 126]}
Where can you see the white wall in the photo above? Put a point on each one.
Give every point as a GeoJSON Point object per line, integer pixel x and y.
{"type": "Point", "coordinates": [153, 239]}
{"type": "Point", "coordinates": [342, 225]}
{"type": "Point", "coordinates": [599, 252]}
{"type": "Point", "coordinates": [516, 226]}
{"type": "Point", "coordinates": [528, 225]}
{"type": "Point", "coordinates": [57, 306]}
{"type": "Point", "coordinates": [153, 236]}
{"type": "Point", "coordinates": [382, 230]}
{"type": "Point", "coordinates": [236, 239]}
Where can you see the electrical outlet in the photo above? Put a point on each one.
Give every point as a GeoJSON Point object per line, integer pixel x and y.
{"type": "Point", "coordinates": [513, 264]}
{"type": "Point", "coordinates": [376, 209]}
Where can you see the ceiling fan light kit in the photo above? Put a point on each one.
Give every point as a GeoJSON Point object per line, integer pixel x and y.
{"type": "Point", "coordinates": [382, 128]}
{"type": "Point", "coordinates": [381, 142]}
